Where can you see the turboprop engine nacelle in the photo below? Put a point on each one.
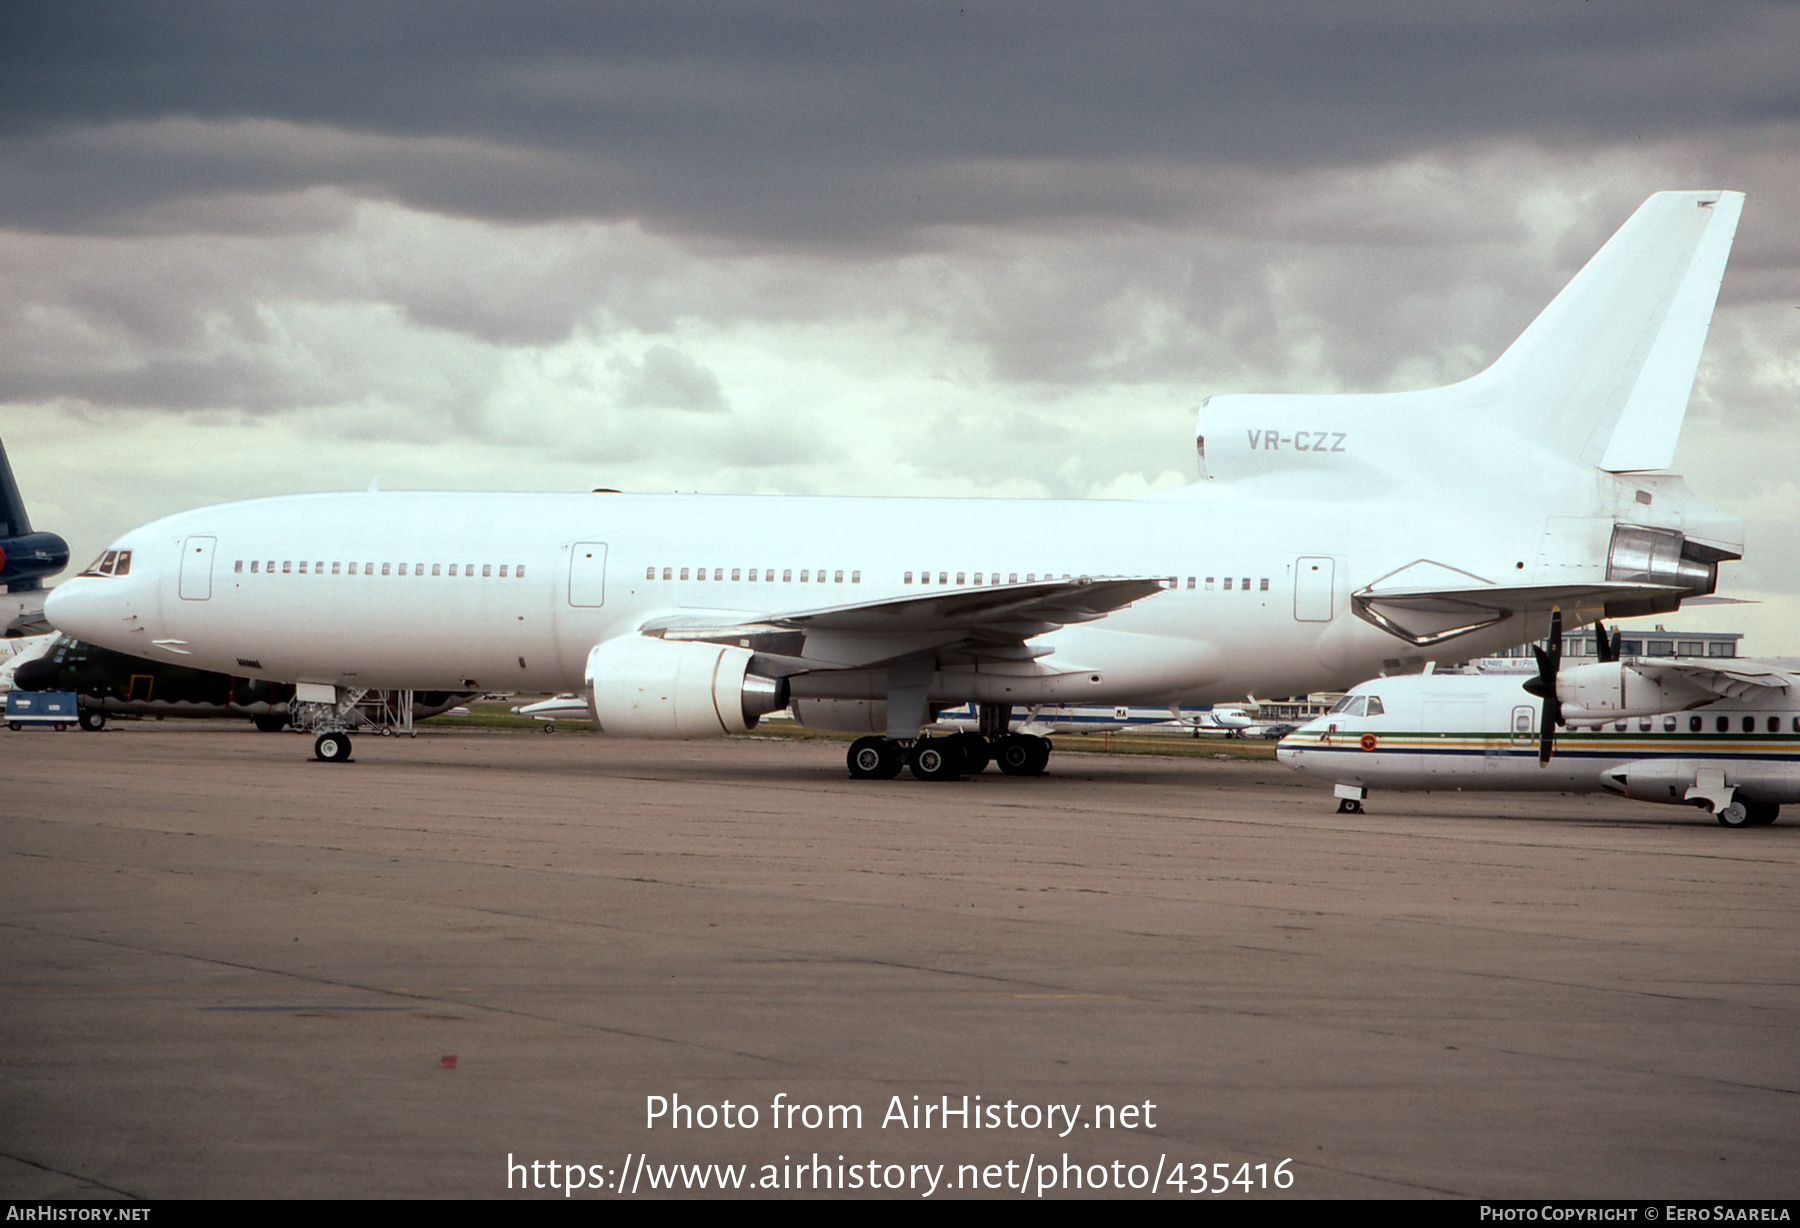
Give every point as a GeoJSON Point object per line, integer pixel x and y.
{"type": "Point", "coordinates": [1612, 689]}
{"type": "Point", "coordinates": [640, 687]}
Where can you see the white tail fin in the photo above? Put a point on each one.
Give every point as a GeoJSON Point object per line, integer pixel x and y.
{"type": "Point", "coordinates": [1602, 376]}
{"type": "Point", "coordinates": [1604, 373]}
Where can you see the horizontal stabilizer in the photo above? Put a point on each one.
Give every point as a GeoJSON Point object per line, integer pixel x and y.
{"type": "Point", "coordinates": [1426, 616]}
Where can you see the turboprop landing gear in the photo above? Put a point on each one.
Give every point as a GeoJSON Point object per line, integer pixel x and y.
{"type": "Point", "coordinates": [1349, 805]}
{"type": "Point", "coordinates": [1350, 798]}
{"type": "Point", "coordinates": [1740, 813]}
{"type": "Point", "coordinates": [332, 748]}
{"type": "Point", "coordinates": [93, 720]}
{"type": "Point", "coordinates": [875, 758]}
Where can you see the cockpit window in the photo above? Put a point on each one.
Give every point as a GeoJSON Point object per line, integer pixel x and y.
{"type": "Point", "coordinates": [1343, 705]}
{"type": "Point", "coordinates": [1375, 708]}
{"type": "Point", "coordinates": [112, 563]}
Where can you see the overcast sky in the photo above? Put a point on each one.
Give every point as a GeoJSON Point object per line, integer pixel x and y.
{"type": "Point", "coordinates": [960, 248]}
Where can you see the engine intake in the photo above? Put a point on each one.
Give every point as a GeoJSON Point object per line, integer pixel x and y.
{"type": "Point", "coordinates": [640, 687]}
{"type": "Point", "coordinates": [1658, 556]}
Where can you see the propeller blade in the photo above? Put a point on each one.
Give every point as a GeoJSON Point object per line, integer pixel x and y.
{"type": "Point", "coordinates": [1549, 663]}
{"type": "Point", "coordinates": [1606, 647]}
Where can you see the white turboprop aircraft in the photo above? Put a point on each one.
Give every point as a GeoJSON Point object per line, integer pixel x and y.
{"type": "Point", "coordinates": [1330, 538]}
{"type": "Point", "coordinates": [1721, 735]}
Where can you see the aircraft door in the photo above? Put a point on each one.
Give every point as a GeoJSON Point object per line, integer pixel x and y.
{"type": "Point", "coordinates": [1313, 581]}
{"type": "Point", "coordinates": [196, 568]}
{"type": "Point", "coordinates": [587, 574]}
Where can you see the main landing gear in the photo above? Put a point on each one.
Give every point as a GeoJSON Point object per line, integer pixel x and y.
{"type": "Point", "coordinates": [950, 758]}
{"type": "Point", "coordinates": [332, 748]}
{"type": "Point", "coordinates": [1740, 813]}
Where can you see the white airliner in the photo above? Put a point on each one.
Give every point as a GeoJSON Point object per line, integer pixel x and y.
{"type": "Point", "coordinates": [1330, 538]}
{"type": "Point", "coordinates": [1724, 736]}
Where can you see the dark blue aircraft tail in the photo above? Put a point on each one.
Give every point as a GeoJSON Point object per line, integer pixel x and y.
{"type": "Point", "coordinates": [25, 557]}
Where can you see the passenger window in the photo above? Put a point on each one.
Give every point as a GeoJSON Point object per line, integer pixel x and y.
{"type": "Point", "coordinates": [287, 566]}
{"type": "Point", "coordinates": [253, 566]}
{"type": "Point", "coordinates": [1695, 724]}
{"type": "Point", "coordinates": [1246, 584]}
{"type": "Point", "coordinates": [959, 577]}
{"type": "Point", "coordinates": [487, 571]}
{"type": "Point", "coordinates": [1723, 724]}
{"type": "Point", "coordinates": [468, 571]}
{"type": "Point", "coordinates": [665, 572]}
{"type": "Point", "coordinates": [337, 569]}
{"type": "Point", "coordinates": [787, 577]}
{"type": "Point", "coordinates": [856, 577]}
{"type": "Point", "coordinates": [403, 569]}
{"type": "Point", "coordinates": [1265, 584]}
{"type": "Point", "coordinates": [943, 577]}
{"type": "Point", "coordinates": [684, 572]}
{"type": "Point", "coordinates": [1190, 582]}
{"type": "Point", "coordinates": [1013, 578]}
{"type": "Point", "coordinates": [302, 566]}
{"type": "Point", "coordinates": [1031, 577]}
{"type": "Point", "coordinates": [737, 573]}
{"type": "Point", "coordinates": [239, 566]}
{"type": "Point", "coordinates": [1619, 727]}
{"type": "Point", "coordinates": [1227, 584]}
{"type": "Point", "coordinates": [838, 578]}
{"type": "Point", "coordinates": [437, 569]}
{"type": "Point", "coordinates": [419, 569]}
{"type": "Point", "coordinates": [1209, 584]}
{"type": "Point", "coordinates": [519, 572]}
{"type": "Point", "coordinates": [753, 575]}
{"type": "Point", "coordinates": [978, 577]}
{"type": "Point", "coordinates": [1749, 724]}
{"type": "Point", "coordinates": [1644, 725]}
{"type": "Point", "coordinates": [1774, 724]}
{"type": "Point", "coordinates": [1668, 724]}
{"type": "Point", "coordinates": [906, 579]}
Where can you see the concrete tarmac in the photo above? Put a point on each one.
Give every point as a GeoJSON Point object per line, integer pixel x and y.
{"type": "Point", "coordinates": [231, 971]}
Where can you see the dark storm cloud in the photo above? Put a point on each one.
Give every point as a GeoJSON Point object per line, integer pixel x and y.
{"type": "Point", "coordinates": [839, 123]}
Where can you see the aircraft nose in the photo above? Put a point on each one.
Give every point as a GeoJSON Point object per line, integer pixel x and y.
{"type": "Point", "coordinates": [79, 609]}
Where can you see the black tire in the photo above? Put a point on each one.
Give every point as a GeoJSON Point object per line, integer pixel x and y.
{"type": "Point", "coordinates": [332, 748]}
{"type": "Point", "coordinates": [1015, 754]}
{"type": "Point", "coordinates": [935, 759]}
{"type": "Point", "coordinates": [60, 726]}
{"type": "Point", "coordinates": [977, 752]}
{"type": "Point", "coordinates": [93, 720]}
{"type": "Point", "coordinates": [1040, 756]}
{"type": "Point", "coordinates": [1762, 813]}
{"type": "Point", "coordinates": [1737, 814]}
{"type": "Point", "coordinates": [269, 724]}
{"type": "Point", "coordinates": [873, 759]}
{"type": "Point", "coordinates": [14, 726]}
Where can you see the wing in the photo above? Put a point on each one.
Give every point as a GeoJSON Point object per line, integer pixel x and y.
{"type": "Point", "coordinates": [1727, 682]}
{"type": "Point", "coordinates": [990, 623]}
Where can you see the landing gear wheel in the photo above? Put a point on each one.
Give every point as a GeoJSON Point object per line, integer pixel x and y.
{"type": "Point", "coordinates": [936, 759]}
{"type": "Point", "coordinates": [93, 721]}
{"type": "Point", "coordinates": [1762, 813]}
{"type": "Point", "coordinates": [1737, 814]}
{"type": "Point", "coordinates": [976, 752]}
{"type": "Point", "coordinates": [1014, 754]}
{"type": "Point", "coordinates": [1040, 757]}
{"type": "Point", "coordinates": [1349, 805]}
{"type": "Point", "coordinates": [332, 748]}
{"type": "Point", "coordinates": [874, 759]}
{"type": "Point", "coordinates": [270, 724]}
{"type": "Point", "coordinates": [549, 726]}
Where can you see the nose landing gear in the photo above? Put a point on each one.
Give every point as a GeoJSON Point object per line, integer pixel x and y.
{"type": "Point", "coordinates": [332, 748]}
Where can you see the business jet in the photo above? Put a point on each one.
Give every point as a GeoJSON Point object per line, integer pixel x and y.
{"type": "Point", "coordinates": [1330, 537]}
{"type": "Point", "coordinates": [1722, 736]}
{"type": "Point", "coordinates": [26, 560]}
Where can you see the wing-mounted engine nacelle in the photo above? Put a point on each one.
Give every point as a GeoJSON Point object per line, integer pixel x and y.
{"type": "Point", "coordinates": [1609, 690]}
{"type": "Point", "coordinates": [640, 687]}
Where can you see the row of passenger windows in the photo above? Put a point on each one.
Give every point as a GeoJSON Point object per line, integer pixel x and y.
{"type": "Point", "coordinates": [1697, 724]}
{"type": "Point", "coordinates": [289, 566]}
{"type": "Point", "coordinates": [1031, 577]}
{"type": "Point", "coordinates": [767, 574]}
{"type": "Point", "coordinates": [824, 576]}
